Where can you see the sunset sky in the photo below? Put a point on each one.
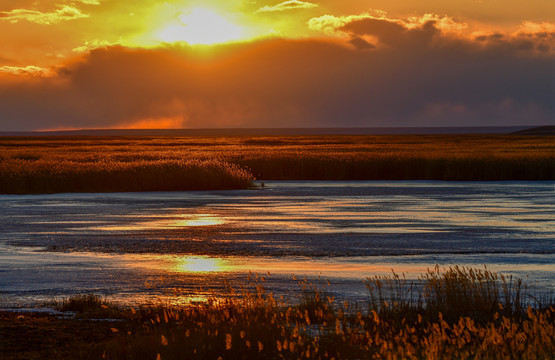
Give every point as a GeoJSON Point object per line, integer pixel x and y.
{"type": "Point", "coordinates": [249, 63]}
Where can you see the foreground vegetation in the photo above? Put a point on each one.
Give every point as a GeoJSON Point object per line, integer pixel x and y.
{"type": "Point", "coordinates": [89, 164]}
{"type": "Point", "coordinates": [461, 313]}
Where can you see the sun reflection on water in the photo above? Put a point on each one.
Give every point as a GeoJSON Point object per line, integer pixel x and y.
{"type": "Point", "coordinates": [200, 264]}
{"type": "Point", "coordinates": [179, 221]}
{"type": "Point", "coordinates": [198, 220]}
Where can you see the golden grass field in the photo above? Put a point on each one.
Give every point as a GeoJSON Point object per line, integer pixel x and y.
{"type": "Point", "coordinates": [106, 164]}
{"type": "Point", "coordinates": [456, 313]}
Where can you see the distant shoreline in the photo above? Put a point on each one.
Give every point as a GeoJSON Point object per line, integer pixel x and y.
{"type": "Point", "coordinates": [500, 130]}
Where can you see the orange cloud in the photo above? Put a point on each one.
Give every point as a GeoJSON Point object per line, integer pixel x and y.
{"type": "Point", "coordinates": [529, 38]}
{"type": "Point", "coordinates": [529, 27]}
{"type": "Point", "coordinates": [378, 22]}
{"type": "Point", "coordinates": [370, 30]}
{"type": "Point", "coordinates": [26, 71]}
{"type": "Point", "coordinates": [177, 122]}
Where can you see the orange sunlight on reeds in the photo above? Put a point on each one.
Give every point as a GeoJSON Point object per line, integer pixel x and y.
{"type": "Point", "coordinates": [457, 313]}
{"type": "Point", "coordinates": [36, 165]}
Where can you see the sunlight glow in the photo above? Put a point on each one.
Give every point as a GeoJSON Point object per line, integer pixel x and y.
{"type": "Point", "coordinates": [201, 26]}
{"type": "Point", "coordinates": [200, 264]}
{"type": "Point", "coordinates": [199, 220]}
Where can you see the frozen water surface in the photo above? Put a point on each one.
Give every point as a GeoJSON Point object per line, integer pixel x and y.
{"type": "Point", "coordinates": [135, 246]}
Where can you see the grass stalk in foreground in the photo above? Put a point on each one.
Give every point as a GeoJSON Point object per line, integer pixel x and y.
{"type": "Point", "coordinates": [459, 313]}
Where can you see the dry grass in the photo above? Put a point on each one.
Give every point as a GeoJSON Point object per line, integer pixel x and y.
{"type": "Point", "coordinates": [89, 306]}
{"type": "Point", "coordinates": [252, 324]}
{"type": "Point", "coordinates": [42, 165]}
{"type": "Point", "coordinates": [55, 176]}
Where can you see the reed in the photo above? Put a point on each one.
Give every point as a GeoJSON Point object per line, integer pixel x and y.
{"type": "Point", "coordinates": [255, 325]}
{"type": "Point", "coordinates": [20, 176]}
{"type": "Point", "coordinates": [454, 313]}
{"type": "Point", "coordinates": [455, 292]}
{"type": "Point", "coordinates": [42, 165]}
{"type": "Point", "coordinates": [89, 306]}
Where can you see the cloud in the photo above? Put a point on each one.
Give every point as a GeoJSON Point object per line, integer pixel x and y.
{"type": "Point", "coordinates": [63, 13]}
{"type": "Point", "coordinates": [377, 30]}
{"type": "Point", "coordinates": [361, 43]}
{"type": "Point", "coordinates": [389, 31]}
{"type": "Point", "coordinates": [531, 37]}
{"type": "Point", "coordinates": [529, 27]}
{"type": "Point", "coordinates": [430, 30]}
{"type": "Point", "coordinates": [88, 2]}
{"type": "Point", "coordinates": [379, 72]}
{"type": "Point", "coordinates": [287, 5]}
{"type": "Point", "coordinates": [91, 45]}
{"type": "Point", "coordinates": [393, 33]}
{"type": "Point", "coordinates": [26, 71]}
{"type": "Point", "coordinates": [540, 36]}
{"type": "Point", "coordinates": [331, 24]}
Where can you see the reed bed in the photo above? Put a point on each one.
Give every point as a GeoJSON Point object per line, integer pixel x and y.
{"type": "Point", "coordinates": [454, 313]}
{"type": "Point", "coordinates": [20, 176]}
{"type": "Point", "coordinates": [457, 292]}
{"type": "Point", "coordinates": [42, 165]}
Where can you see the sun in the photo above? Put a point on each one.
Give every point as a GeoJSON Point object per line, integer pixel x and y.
{"type": "Point", "coordinates": [201, 26]}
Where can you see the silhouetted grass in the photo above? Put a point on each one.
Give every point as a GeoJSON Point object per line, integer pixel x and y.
{"type": "Point", "coordinates": [89, 306]}
{"type": "Point", "coordinates": [456, 292]}
{"type": "Point", "coordinates": [81, 303]}
{"type": "Point", "coordinates": [44, 165]}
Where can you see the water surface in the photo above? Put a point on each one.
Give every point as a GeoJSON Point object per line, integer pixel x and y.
{"type": "Point", "coordinates": [136, 246]}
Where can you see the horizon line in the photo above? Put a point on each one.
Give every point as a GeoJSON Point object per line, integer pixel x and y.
{"type": "Point", "coordinates": [378, 130]}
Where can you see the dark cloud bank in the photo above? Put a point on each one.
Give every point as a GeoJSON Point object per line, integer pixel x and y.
{"type": "Point", "coordinates": [404, 77]}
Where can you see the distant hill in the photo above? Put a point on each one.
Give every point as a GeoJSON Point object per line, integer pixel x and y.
{"type": "Point", "coordinates": [276, 131]}
{"type": "Point", "coordinates": [540, 130]}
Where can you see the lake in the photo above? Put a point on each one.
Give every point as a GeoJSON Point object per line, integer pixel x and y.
{"type": "Point", "coordinates": [146, 247]}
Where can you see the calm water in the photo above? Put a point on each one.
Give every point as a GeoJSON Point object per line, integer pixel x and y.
{"type": "Point", "coordinates": [137, 246]}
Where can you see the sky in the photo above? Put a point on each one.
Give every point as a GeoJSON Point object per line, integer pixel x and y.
{"type": "Point", "coordinates": [96, 64]}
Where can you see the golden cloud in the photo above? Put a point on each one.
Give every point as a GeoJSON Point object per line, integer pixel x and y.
{"type": "Point", "coordinates": [376, 29]}
{"type": "Point", "coordinates": [334, 25]}
{"type": "Point", "coordinates": [94, 44]}
{"type": "Point", "coordinates": [26, 71]}
{"type": "Point", "coordinates": [287, 5]}
{"type": "Point", "coordinates": [530, 27]}
{"type": "Point", "coordinates": [331, 24]}
{"type": "Point", "coordinates": [88, 2]}
{"type": "Point", "coordinates": [63, 13]}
